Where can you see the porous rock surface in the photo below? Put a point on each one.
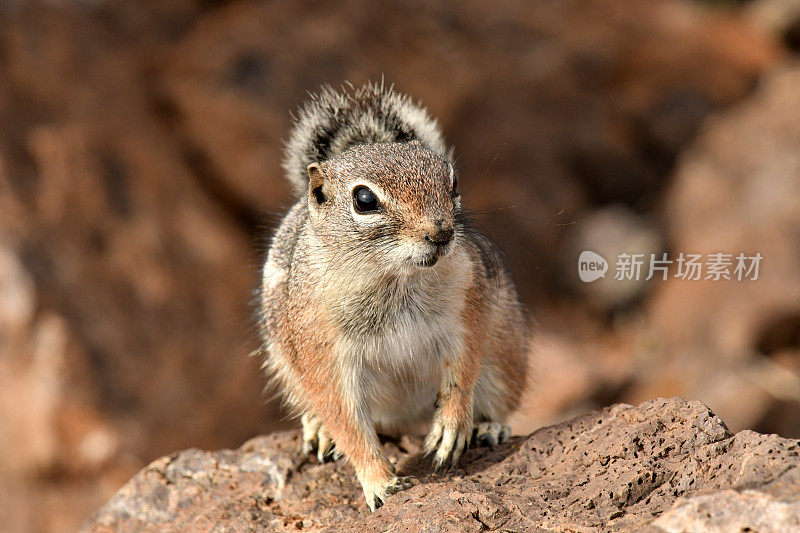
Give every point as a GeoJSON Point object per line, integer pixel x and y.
{"type": "Point", "coordinates": [666, 465]}
{"type": "Point", "coordinates": [140, 157]}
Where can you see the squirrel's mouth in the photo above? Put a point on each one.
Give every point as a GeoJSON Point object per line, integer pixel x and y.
{"type": "Point", "coordinates": [428, 261]}
{"type": "Point", "coordinates": [433, 256]}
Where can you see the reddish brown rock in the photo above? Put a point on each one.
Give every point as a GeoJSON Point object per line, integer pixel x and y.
{"type": "Point", "coordinates": [736, 344]}
{"type": "Point", "coordinates": [124, 315]}
{"type": "Point", "coordinates": [613, 470]}
{"type": "Point", "coordinates": [736, 190]}
{"type": "Point", "coordinates": [140, 143]}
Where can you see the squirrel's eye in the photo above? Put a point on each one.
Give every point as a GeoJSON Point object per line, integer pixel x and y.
{"type": "Point", "coordinates": [364, 200]}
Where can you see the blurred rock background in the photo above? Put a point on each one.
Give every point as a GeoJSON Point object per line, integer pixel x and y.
{"type": "Point", "coordinates": [139, 171]}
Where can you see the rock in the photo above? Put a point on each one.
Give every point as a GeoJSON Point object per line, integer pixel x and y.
{"type": "Point", "coordinates": [736, 344]}
{"type": "Point", "coordinates": [17, 295]}
{"type": "Point", "coordinates": [151, 275]}
{"type": "Point", "coordinates": [730, 510]}
{"type": "Point", "coordinates": [45, 426]}
{"type": "Point", "coordinates": [125, 283]}
{"type": "Point", "coordinates": [773, 16]}
{"type": "Point", "coordinates": [612, 470]}
{"type": "Point", "coordinates": [736, 190]}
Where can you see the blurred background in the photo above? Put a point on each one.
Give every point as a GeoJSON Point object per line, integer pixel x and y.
{"type": "Point", "coordinates": [140, 147]}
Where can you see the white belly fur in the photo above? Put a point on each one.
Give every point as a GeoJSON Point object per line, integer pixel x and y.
{"type": "Point", "coordinates": [400, 372]}
{"type": "Point", "coordinates": [399, 366]}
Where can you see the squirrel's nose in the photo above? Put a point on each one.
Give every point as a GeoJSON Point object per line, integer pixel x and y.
{"type": "Point", "coordinates": [440, 236]}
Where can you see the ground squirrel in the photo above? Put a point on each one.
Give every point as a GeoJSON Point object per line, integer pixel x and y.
{"type": "Point", "coordinates": [382, 310]}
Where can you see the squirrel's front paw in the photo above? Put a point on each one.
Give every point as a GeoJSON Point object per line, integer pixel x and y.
{"type": "Point", "coordinates": [377, 492]}
{"type": "Point", "coordinates": [316, 440]}
{"type": "Point", "coordinates": [449, 439]}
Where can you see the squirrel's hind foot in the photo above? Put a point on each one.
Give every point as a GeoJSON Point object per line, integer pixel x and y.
{"type": "Point", "coordinates": [491, 434]}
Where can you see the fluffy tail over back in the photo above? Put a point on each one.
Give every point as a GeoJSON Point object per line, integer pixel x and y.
{"type": "Point", "coordinates": [332, 121]}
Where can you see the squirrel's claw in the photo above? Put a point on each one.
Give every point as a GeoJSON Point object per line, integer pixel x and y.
{"type": "Point", "coordinates": [377, 494]}
{"type": "Point", "coordinates": [433, 438]}
{"type": "Point", "coordinates": [449, 442]}
{"type": "Point", "coordinates": [324, 446]}
{"type": "Point", "coordinates": [316, 440]}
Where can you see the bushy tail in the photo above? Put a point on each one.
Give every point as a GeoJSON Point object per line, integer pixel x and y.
{"type": "Point", "coordinates": [332, 121]}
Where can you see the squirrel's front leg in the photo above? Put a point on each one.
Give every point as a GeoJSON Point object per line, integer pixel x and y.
{"type": "Point", "coordinates": [352, 431]}
{"type": "Point", "coordinates": [453, 419]}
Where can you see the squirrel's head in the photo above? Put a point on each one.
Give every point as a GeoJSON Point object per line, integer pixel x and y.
{"type": "Point", "coordinates": [393, 203]}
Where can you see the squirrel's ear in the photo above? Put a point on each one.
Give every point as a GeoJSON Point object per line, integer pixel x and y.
{"type": "Point", "coordinates": [316, 182]}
